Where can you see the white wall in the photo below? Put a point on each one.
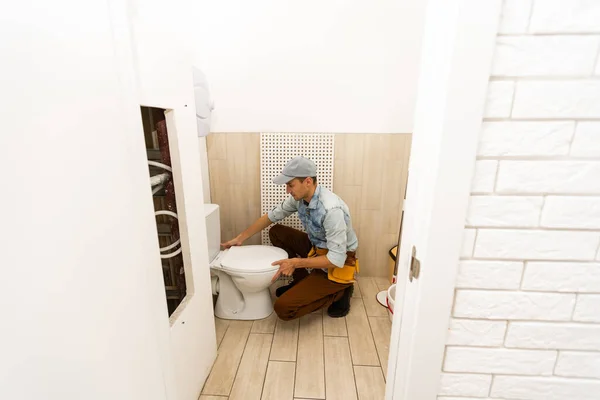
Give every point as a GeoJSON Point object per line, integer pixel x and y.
{"type": "Point", "coordinates": [162, 50]}
{"type": "Point", "coordinates": [309, 66]}
{"type": "Point", "coordinates": [80, 270]}
{"type": "Point", "coordinates": [83, 301]}
{"type": "Point", "coordinates": [526, 320]}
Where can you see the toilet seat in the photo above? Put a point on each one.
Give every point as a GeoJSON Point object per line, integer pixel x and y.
{"type": "Point", "coordinates": [249, 259]}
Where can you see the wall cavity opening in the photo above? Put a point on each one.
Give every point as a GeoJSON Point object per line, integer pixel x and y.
{"type": "Point", "coordinates": [160, 170]}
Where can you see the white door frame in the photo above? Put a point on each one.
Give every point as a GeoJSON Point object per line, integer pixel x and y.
{"type": "Point", "coordinates": [458, 46]}
{"type": "Point", "coordinates": [156, 305]}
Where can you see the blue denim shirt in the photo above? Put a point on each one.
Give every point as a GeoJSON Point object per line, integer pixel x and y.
{"type": "Point", "coordinates": [326, 220]}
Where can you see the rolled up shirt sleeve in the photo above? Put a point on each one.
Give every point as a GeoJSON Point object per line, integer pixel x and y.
{"type": "Point", "coordinates": [335, 232]}
{"type": "Point", "coordinates": [285, 209]}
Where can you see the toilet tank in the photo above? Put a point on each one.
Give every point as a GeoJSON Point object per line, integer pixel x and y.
{"type": "Point", "coordinates": [213, 230]}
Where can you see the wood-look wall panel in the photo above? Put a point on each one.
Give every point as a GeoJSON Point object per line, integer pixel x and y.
{"type": "Point", "coordinates": [372, 169]}
{"type": "Point", "coordinates": [370, 173]}
{"type": "Point", "coordinates": [234, 168]}
{"type": "Point", "coordinates": [369, 239]}
{"type": "Point", "coordinates": [350, 150]}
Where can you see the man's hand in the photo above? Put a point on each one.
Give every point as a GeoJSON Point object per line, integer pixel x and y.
{"type": "Point", "coordinates": [286, 268]}
{"type": "Point", "coordinates": [237, 241]}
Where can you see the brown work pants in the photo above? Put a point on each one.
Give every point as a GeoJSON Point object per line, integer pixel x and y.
{"type": "Point", "coordinates": [310, 292]}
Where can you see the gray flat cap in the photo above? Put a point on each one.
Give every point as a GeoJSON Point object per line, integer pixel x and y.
{"type": "Point", "coordinates": [297, 167]}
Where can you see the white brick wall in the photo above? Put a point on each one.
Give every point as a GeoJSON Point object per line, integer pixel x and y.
{"type": "Point", "coordinates": [587, 308]}
{"type": "Point", "coordinates": [571, 212]}
{"type": "Point", "coordinates": [509, 305]}
{"type": "Point", "coordinates": [585, 143]}
{"type": "Point", "coordinates": [536, 244]}
{"type": "Point", "coordinates": [489, 275]}
{"type": "Point", "coordinates": [526, 138]}
{"type": "Point", "coordinates": [565, 16]}
{"type": "Point", "coordinates": [499, 361]}
{"type": "Point", "coordinates": [485, 176]}
{"type": "Point", "coordinates": [499, 99]}
{"type": "Point", "coordinates": [565, 176]}
{"type": "Point", "coordinates": [472, 385]}
{"type": "Point", "coordinates": [533, 388]}
{"type": "Point", "coordinates": [578, 364]}
{"type": "Point", "coordinates": [465, 398]}
{"type": "Point", "coordinates": [553, 335]}
{"type": "Point", "coordinates": [468, 242]}
{"type": "Point", "coordinates": [557, 99]}
{"type": "Point", "coordinates": [515, 16]}
{"type": "Point", "coordinates": [504, 211]}
{"type": "Point", "coordinates": [526, 315]}
{"type": "Point", "coordinates": [469, 332]}
{"type": "Point", "coordinates": [545, 55]}
{"type": "Point", "coordinates": [569, 277]}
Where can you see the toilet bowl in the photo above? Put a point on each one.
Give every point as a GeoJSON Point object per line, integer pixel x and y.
{"type": "Point", "coordinates": [244, 276]}
{"type": "Point", "coordinates": [241, 275]}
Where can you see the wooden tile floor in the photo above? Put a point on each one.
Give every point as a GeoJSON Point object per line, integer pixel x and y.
{"type": "Point", "coordinates": [314, 357]}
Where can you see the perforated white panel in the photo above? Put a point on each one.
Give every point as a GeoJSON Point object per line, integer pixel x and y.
{"type": "Point", "coordinates": [276, 149]}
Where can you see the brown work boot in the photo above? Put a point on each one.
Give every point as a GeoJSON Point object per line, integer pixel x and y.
{"type": "Point", "coordinates": [341, 308]}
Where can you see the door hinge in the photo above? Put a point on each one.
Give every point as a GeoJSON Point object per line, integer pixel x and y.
{"type": "Point", "coordinates": [415, 266]}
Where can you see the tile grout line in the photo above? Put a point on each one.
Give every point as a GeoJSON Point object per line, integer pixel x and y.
{"type": "Point", "coordinates": [214, 362]}
{"type": "Point", "coordinates": [324, 366]}
{"type": "Point", "coordinates": [540, 119]}
{"type": "Point", "coordinates": [296, 362]}
{"type": "Point", "coordinates": [240, 363]}
{"type": "Point", "coordinates": [543, 78]}
{"type": "Point", "coordinates": [528, 27]}
{"type": "Point", "coordinates": [530, 194]}
{"type": "Point", "coordinates": [596, 62]}
{"type": "Point", "coordinates": [375, 344]}
{"type": "Point", "coordinates": [575, 125]}
{"type": "Point", "coordinates": [443, 359]}
{"type": "Point", "coordinates": [508, 322]}
{"type": "Point", "coordinates": [556, 158]}
{"type": "Point", "coordinates": [556, 362]}
{"type": "Point", "coordinates": [262, 389]}
{"type": "Point", "coordinates": [352, 366]}
{"type": "Point", "coordinates": [544, 199]}
{"type": "Point", "coordinates": [516, 290]}
{"type": "Point", "coordinates": [372, 337]}
{"type": "Point", "coordinates": [529, 34]}
{"type": "Point", "coordinates": [530, 228]}
{"type": "Point", "coordinates": [523, 275]}
{"type": "Point", "coordinates": [224, 333]}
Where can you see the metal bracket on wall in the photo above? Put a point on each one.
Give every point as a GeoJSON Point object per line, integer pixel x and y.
{"type": "Point", "coordinates": [415, 266]}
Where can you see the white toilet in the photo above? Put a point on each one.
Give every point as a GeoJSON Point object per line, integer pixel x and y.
{"type": "Point", "coordinates": [241, 276]}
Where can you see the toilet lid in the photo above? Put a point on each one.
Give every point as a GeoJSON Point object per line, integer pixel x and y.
{"type": "Point", "coordinates": [252, 258]}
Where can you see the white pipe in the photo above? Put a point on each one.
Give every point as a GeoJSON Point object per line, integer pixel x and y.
{"type": "Point", "coordinates": [214, 283]}
{"type": "Point", "coordinates": [159, 165]}
{"type": "Point", "coordinates": [159, 179]}
{"type": "Point", "coordinates": [156, 189]}
{"type": "Point", "coordinates": [172, 245]}
{"type": "Point", "coordinates": [163, 256]}
{"type": "Point", "coordinates": [166, 212]}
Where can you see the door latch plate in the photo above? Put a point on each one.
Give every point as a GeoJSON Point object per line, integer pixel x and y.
{"type": "Point", "coordinates": [415, 266]}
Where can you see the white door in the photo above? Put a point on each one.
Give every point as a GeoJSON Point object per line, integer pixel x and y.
{"type": "Point", "coordinates": [458, 45]}
{"type": "Point", "coordinates": [83, 293]}
{"type": "Point", "coordinates": [163, 77]}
